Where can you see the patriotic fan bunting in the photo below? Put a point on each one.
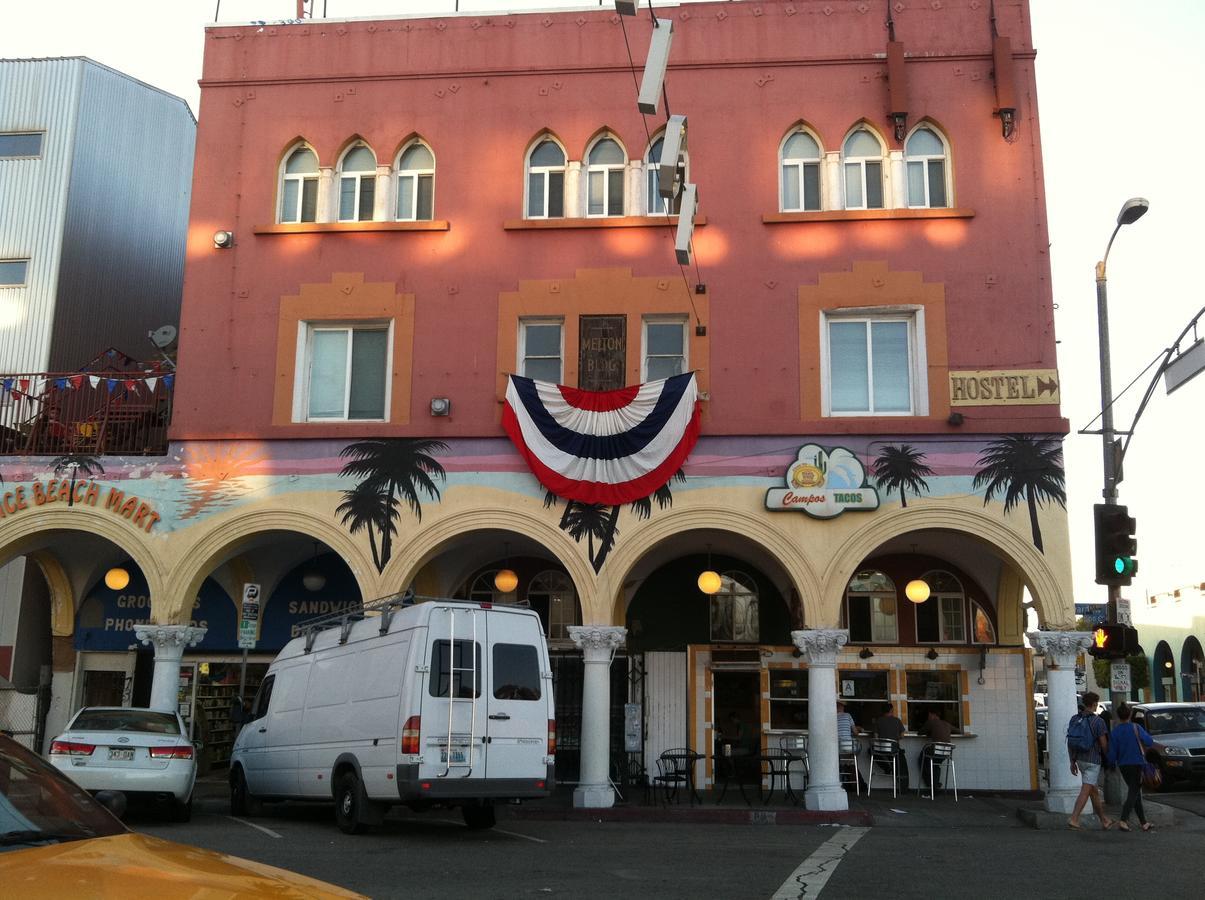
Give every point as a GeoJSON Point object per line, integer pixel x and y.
{"type": "Point", "coordinates": [609, 447]}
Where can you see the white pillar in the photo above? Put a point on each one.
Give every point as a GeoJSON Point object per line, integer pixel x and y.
{"type": "Point", "coordinates": [1061, 649]}
{"type": "Point", "coordinates": [896, 190]}
{"type": "Point", "coordinates": [328, 197]}
{"type": "Point", "coordinates": [383, 204]}
{"type": "Point", "coordinates": [598, 643]}
{"type": "Point", "coordinates": [833, 181]}
{"type": "Point", "coordinates": [820, 649]}
{"type": "Point", "coordinates": [574, 192]}
{"type": "Point", "coordinates": [169, 642]}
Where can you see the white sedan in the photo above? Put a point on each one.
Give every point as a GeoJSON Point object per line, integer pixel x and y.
{"type": "Point", "coordinates": [143, 753]}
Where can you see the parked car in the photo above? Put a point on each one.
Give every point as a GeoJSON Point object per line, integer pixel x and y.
{"type": "Point", "coordinates": [1041, 715]}
{"type": "Point", "coordinates": [57, 841]}
{"type": "Point", "coordinates": [443, 703]}
{"type": "Point", "coordinates": [143, 753]}
{"type": "Point", "coordinates": [1180, 729]}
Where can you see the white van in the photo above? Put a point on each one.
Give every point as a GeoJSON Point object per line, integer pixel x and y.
{"type": "Point", "coordinates": [437, 703]}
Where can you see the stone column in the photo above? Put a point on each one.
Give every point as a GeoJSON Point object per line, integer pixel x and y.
{"type": "Point", "coordinates": [384, 205]}
{"type": "Point", "coordinates": [598, 643]}
{"type": "Point", "coordinates": [169, 642]}
{"type": "Point", "coordinates": [820, 649]}
{"type": "Point", "coordinates": [895, 191]}
{"type": "Point", "coordinates": [574, 191]}
{"type": "Point", "coordinates": [833, 181]}
{"type": "Point", "coordinates": [1060, 649]}
{"type": "Point", "coordinates": [328, 197]}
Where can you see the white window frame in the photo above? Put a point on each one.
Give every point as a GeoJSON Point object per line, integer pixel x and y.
{"type": "Point", "coordinates": [545, 171]}
{"type": "Point", "coordinates": [798, 164]}
{"type": "Point", "coordinates": [359, 178]}
{"type": "Point", "coordinates": [939, 596]}
{"type": "Point", "coordinates": [924, 160]}
{"type": "Point", "coordinates": [560, 615]}
{"type": "Point", "coordinates": [25, 279]}
{"type": "Point", "coordinates": [301, 180]}
{"type": "Point", "coordinates": [305, 359]}
{"type": "Point", "coordinates": [522, 344]}
{"type": "Point", "coordinates": [655, 204]}
{"type": "Point", "coordinates": [605, 169]}
{"type": "Point", "coordinates": [414, 175]}
{"type": "Point", "coordinates": [681, 320]}
{"type": "Point", "coordinates": [917, 357]}
{"type": "Point", "coordinates": [860, 162]}
{"type": "Point", "coordinates": [876, 599]}
{"type": "Point", "coordinates": [41, 144]}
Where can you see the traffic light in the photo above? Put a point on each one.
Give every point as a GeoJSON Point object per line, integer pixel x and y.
{"type": "Point", "coordinates": [1115, 545]}
{"type": "Point", "coordinates": [1114, 642]}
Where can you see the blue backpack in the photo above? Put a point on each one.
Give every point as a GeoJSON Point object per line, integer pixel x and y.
{"type": "Point", "coordinates": [1080, 738]}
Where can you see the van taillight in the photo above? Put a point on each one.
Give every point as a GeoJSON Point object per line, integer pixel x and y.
{"type": "Point", "coordinates": [410, 735]}
{"type": "Point", "coordinates": [71, 748]}
{"type": "Point", "coordinates": [552, 737]}
{"type": "Point", "coordinates": [180, 751]}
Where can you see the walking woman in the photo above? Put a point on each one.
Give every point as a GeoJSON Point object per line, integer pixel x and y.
{"type": "Point", "coordinates": [1127, 750]}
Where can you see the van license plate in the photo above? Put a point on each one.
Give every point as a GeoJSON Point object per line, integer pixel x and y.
{"type": "Point", "coordinates": [457, 756]}
{"type": "Point", "coordinates": [125, 753]}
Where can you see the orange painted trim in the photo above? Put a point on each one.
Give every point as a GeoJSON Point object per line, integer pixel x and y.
{"type": "Point", "coordinates": [346, 227]}
{"type": "Point", "coordinates": [862, 215]}
{"type": "Point", "coordinates": [598, 222]}
{"type": "Point", "coordinates": [1033, 736]}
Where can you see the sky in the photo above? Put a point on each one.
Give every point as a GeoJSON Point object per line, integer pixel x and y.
{"type": "Point", "coordinates": [1114, 80]}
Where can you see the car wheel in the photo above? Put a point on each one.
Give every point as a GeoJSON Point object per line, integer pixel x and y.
{"type": "Point", "coordinates": [242, 801]}
{"type": "Point", "coordinates": [182, 812]}
{"type": "Point", "coordinates": [479, 816]}
{"type": "Point", "coordinates": [354, 812]}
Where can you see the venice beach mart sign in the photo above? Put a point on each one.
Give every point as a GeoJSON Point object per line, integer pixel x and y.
{"type": "Point", "coordinates": [84, 493]}
{"type": "Point", "coordinates": [824, 484]}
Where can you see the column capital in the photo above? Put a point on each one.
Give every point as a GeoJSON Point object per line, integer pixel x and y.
{"type": "Point", "coordinates": [820, 646]}
{"type": "Point", "coordinates": [598, 637]}
{"type": "Point", "coordinates": [170, 636]}
{"type": "Point", "coordinates": [1061, 646]}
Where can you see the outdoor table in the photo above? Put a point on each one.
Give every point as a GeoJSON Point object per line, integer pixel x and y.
{"type": "Point", "coordinates": [728, 768]}
{"type": "Point", "coordinates": [776, 766]}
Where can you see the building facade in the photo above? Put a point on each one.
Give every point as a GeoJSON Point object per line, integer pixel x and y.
{"type": "Point", "coordinates": [1171, 629]}
{"type": "Point", "coordinates": [392, 217]}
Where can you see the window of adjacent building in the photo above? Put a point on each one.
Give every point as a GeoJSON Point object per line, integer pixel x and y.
{"type": "Point", "coordinates": [789, 699]}
{"type": "Point", "coordinates": [871, 609]}
{"type": "Point", "coordinates": [465, 658]}
{"type": "Point", "coordinates": [347, 369]}
{"type": "Point", "coordinates": [800, 172]}
{"type": "Point", "coordinates": [299, 187]}
{"type": "Point", "coordinates": [516, 674]}
{"type": "Point", "coordinates": [942, 618]}
{"type": "Point", "coordinates": [357, 184]}
{"type": "Point", "coordinates": [657, 205]}
{"type": "Point", "coordinates": [552, 595]}
{"type": "Point", "coordinates": [862, 157]}
{"type": "Point", "coordinates": [20, 144]}
{"type": "Point", "coordinates": [937, 690]}
{"type": "Point", "coordinates": [13, 272]}
{"type": "Point", "coordinates": [416, 184]}
{"type": "Point", "coordinates": [872, 364]}
{"type": "Point", "coordinates": [664, 348]}
{"type": "Point", "coordinates": [541, 349]}
{"type": "Point", "coordinates": [606, 164]}
{"type": "Point", "coordinates": [864, 693]}
{"type": "Point", "coordinates": [546, 181]}
{"type": "Point", "coordinates": [925, 158]}
{"type": "Point", "coordinates": [984, 631]}
{"type": "Point", "coordinates": [734, 609]}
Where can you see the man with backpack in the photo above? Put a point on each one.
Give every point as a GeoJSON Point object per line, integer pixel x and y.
{"type": "Point", "coordinates": [1087, 745]}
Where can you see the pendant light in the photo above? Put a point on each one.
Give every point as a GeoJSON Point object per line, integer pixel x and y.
{"type": "Point", "coordinates": [117, 578]}
{"type": "Point", "coordinates": [313, 580]}
{"type": "Point", "coordinates": [505, 580]}
{"type": "Point", "coordinates": [709, 579]}
{"type": "Point", "coordinates": [917, 590]}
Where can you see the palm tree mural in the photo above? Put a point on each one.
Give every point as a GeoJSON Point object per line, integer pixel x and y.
{"type": "Point", "coordinates": [1023, 466]}
{"type": "Point", "coordinates": [76, 463]}
{"type": "Point", "coordinates": [899, 467]}
{"type": "Point", "coordinates": [389, 469]}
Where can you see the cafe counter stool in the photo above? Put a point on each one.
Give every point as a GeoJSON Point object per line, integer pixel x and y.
{"type": "Point", "coordinates": [847, 764]}
{"type": "Point", "coordinates": [886, 751]}
{"type": "Point", "coordinates": [937, 759]}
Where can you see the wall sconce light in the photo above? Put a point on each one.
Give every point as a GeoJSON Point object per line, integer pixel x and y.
{"type": "Point", "coordinates": [709, 579]}
{"type": "Point", "coordinates": [116, 578]}
{"type": "Point", "coordinates": [956, 418]}
{"type": "Point", "coordinates": [932, 654]}
{"type": "Point", "coordinates": [313, 580]}
{"type": "Point", "coordinates": [797, 653]}
{"type": "Point", "coordinates": [505, 580]}
{"type": "Point", "coordinates": [917, 590]}
{"type": "Point", "coordinates": [441, 406]}
{"type": "Point", "coordinates": [223, 240]}
{"type": "Point", "coordinates": [1007, 122]}
{"type": "Point", "coordinates": [865, 653]}
{"type": "Point", "coordinates": [900, 121]}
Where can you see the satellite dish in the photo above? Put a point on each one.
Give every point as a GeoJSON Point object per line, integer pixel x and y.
{"type": "Point", "coordinates": [164, 338]}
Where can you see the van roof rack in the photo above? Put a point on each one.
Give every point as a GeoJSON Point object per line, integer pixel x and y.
{"type": "Point", "coordinates": [383, 608]}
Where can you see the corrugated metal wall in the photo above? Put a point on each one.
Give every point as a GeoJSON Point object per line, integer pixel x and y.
{"type": "Point", "coordinates": [665, 693]}
{"type": "Point", "coordinates": [35, 95]}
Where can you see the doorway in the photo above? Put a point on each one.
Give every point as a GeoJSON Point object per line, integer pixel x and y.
{"type": "Point", "coordinates": [737, 697]}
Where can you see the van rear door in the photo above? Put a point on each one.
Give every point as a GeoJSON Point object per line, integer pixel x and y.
{"type": "Point", "coordinates": [453, 705]}
{"type": "Point", "coordinates": [517, 697]}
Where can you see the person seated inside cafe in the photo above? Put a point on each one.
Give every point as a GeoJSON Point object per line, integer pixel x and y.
{"type": "Point", "coordinates": [889, 727]}
{"type": "Point", "coordinates": [737, 735]}
{"type": "Point", "coordinates": [938, 731]}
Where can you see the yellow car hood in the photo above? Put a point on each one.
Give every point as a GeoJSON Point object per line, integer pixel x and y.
{"type": "Point", "coordinates": [136, 865]}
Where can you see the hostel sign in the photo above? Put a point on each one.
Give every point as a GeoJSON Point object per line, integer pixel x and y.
{"type": "Point", "coordinates": [1004, 387]}
{"type": "Point", "coordinates": [824, 484]}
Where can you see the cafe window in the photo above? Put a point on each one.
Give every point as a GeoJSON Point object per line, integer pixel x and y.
{"type": "Point", "coordinates": [442, 663]}
{"type": "Point", "coordinates": [540, 350]}
{"type": "Point", "coordinates": [985, 631]}
{"type": "Point", "coordinates": [734, 609]}
{"type": "Point", "coordinates": [789, 699]}
{"type": "Point", "coordinates": [553, 596]}
{"type": "Point", "coordinates": [871, 609]}
{"type": "Point", "coordinates": [942, 618]}
{"type": "Point", "coordinates": [865, 695]}
{"type": "Point", "coordinates": [938, 690]}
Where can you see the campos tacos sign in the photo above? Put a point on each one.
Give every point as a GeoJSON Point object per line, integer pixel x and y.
{"type": "Point", "coordinates": [823, 484]}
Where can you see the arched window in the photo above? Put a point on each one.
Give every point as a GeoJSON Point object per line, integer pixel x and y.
{"type": "Point", "coordinates": [870, 609]}
{"type": "Point", "coordinates": [984, 630]}
{"type": "Point", "coordinates": [482, 590]}
{"type": "Point", "coordinates": [606, 164]}
{"type": "Point", "coordinates": [546, 181]}
{"type": "Point", "coordinates": [657, 205]}
{"type": "Point", "coordinates": [862, 155]}
{"type": "Point", "coordinates": [734, 609]}
{"type": "Point", "coordinates": [942, 618]}
{"type": "Point", "coordinates": [416, 183]}
{"type": "Point", "coordinates": [925, 156]}
{"type": "Point", "coordinates": [552, 595]}
{"type": "Point", "coordinates": [299, 186]}
{"type": "Point", "coordinates": [357, 184]}
{"type": "Point", "coordinates": [800, 172]}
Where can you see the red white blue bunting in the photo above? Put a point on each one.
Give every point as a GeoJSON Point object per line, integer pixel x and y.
{"type": "Point", "coordinates": [609, 447]}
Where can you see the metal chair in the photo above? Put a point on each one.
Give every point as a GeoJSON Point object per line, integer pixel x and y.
{"type": "Point", "coordinates": [796, 746]}
{"type": "Point", "coordinates": [847, 761]}
{"type": "Point", "coordinates": [939, 757]}
{"type": "Point", "coordinates": [886, 751]}
{"type": "Point", "coordinates": [675, 769]}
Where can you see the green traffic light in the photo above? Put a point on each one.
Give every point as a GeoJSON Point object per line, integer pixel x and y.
{"type": "Point", "coordinates": [1124, 565]}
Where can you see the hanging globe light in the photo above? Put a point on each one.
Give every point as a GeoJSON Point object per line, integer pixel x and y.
{"type": "Point", "coordinates": [116, 578]}
{"type": "Point", "coordinates": [710, 581]}
{"type": "Point", "coordinates": [917, 590]}
{"type": "Point", "coordinates": [506, 580]}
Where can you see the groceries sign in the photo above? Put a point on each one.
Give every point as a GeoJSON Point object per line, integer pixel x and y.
{"type": "Point", "coordinates": [824, 484]}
